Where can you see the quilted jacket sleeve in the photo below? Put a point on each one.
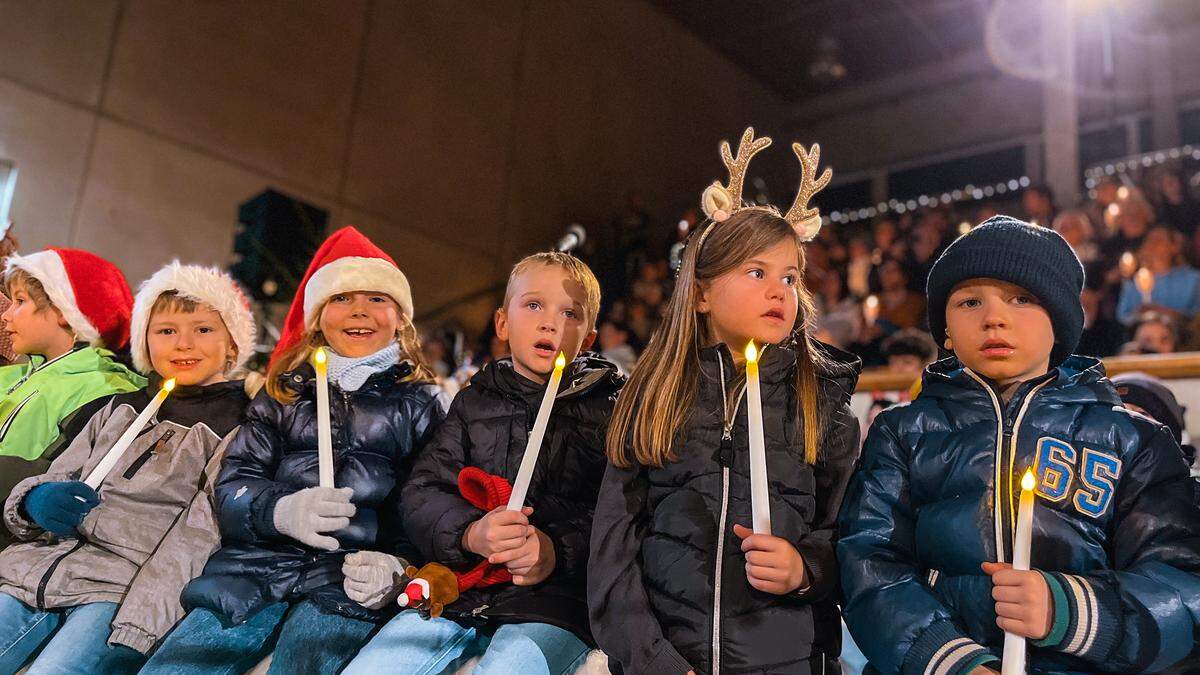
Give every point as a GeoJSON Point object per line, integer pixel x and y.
{"type": "Point", "coordinates": [894, 617]}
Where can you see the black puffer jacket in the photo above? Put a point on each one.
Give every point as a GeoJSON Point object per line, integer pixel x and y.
{"type": "Point", "coordinates": [488, 427]}
{"type": "Point", "coordinates": [376, 432]}
{"type": "Point", "coordinates": [667, 581]}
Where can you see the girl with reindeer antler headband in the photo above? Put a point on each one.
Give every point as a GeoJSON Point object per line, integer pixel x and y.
{"type": "Point", "coordinates": [677, 582]}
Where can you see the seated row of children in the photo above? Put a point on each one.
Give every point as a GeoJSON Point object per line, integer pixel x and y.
{"type": "Point", "coordinates": [211, 541]}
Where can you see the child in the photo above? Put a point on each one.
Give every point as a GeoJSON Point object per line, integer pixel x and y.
{"type": "Point", "coordinates": [69, 307]}
{"type": "Point", "coordinates": [538, 622]}
{"type": "Point", "coordinates": [277, 580]}
{"type": "Point", "coordinates": [677, 581]}
{"type": "Point", "coordinates": [928, 521]}
{"type": "Point", "coordinates": [97, 584]}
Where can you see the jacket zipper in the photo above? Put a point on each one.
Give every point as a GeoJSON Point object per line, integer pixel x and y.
{"type": "Point", "coordinates": [1002, 505]}
{"type": "Point", "coordinates": [149, 452]}
{"type": "Point", "coordinates": [41, 590]}
{"type": "Point", "coordinates": [726, 459]}
{"type": "Point", "coordinates": [13, 415]}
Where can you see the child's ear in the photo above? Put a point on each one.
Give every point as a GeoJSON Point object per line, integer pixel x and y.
{"type": "Point", "coordinates": [501, 320]}
{"type": "Point", "coordinates": [948, 344]}
{"type": "Point", "coordinates": [62, 322]}
{"type": "Point", "coordinates": [588, 341]}
{"type": "Point", "coordinates": [702, 305]}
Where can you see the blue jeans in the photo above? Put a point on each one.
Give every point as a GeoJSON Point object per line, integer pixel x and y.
{"type": "Point", "coordinates": [409, 644]}
{"type": "Point", "coordinates": [66, 640]}
{"type": "Point", "coordinates": [304, 640]}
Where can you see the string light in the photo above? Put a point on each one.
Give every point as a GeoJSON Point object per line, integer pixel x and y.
{"type": "Point", "coordinates": [970, 192]}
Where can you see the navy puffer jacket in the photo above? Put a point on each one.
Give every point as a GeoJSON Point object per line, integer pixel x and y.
{"type": "Point", "coordinates": [1116, 532]}
{"type": "Point", "coordinates": [377, 431]}
{"type": "Point", "coordinates": [667, 587]}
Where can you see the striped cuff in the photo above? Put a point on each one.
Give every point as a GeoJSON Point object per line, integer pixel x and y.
{"type": "Point", "coordinates": [1086, 618]}
{"type": "Point", "coordinates": [942, 649]}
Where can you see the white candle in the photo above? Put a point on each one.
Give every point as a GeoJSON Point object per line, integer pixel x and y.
{"type": "Point", "coordinates": [1013, 662]}
{"type": "Point", "coordinates": [1144, 280]}
{"type": "Point", "coordinates": [324, 436]}
{"type": "Point", "coordinates": [534, 445]}
{"type": "Point", "coordinates": [96, 477]}
{"type": "Point", "coordinates": [760, 505]}
{"type": "Point", "coordinates": [1128, 264]}
{"type": "Point", "coordinates": [871, 309]}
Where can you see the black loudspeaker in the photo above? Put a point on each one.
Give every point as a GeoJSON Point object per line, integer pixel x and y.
{"type": "Point", "coordinates": [277, 237]}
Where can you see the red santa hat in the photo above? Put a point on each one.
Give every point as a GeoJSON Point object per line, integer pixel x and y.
{"type": "Point", "coordinates": [207, 285]}
{"type": "Point", "coordinates": [91, 292]}
{"type": "Point", "coordinates": [346, 262]}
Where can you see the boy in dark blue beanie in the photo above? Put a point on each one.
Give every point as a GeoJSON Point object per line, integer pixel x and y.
{"type": "Point", "coordinates": [928, 522]}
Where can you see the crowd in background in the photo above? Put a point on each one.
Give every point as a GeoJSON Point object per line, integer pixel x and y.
{"type": "Point", "coordinates": [868, 278]}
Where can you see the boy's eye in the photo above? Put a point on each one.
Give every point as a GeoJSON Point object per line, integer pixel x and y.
{"type": "Point", "coordinates": [790, 279]}
{"type": "Point", "coordinates": [166, 331]}
{"type": "Point", "coordinates": [533, 304]}
{"type": "Point", "coordinates": [377, 298]}
{"type": "Point", "coordinates": [571, 313]}
{"type": "Point", "coordinates": [205, 329]}
{"type": "Point", "coordinates": [756, 273]}
{"type": "Point", "coordinates": [1023, 300]}
{"type": "Point", "coordinates": [339, 298]}
{"type": "Point", "coordinates": [969, 303]}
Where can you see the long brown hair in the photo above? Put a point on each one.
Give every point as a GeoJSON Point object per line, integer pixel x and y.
{"type": "Point", "coordinates": [662, 389]}
{"type": "Point", "coordinates": [291, 358]}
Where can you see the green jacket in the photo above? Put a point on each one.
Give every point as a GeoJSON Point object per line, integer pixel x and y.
{"type": "Point", "coordinates": [44, 404]}
{"type": "Point", "coordinates": [37, 398]}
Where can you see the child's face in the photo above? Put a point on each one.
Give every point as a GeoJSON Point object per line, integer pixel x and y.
{"type": "Point", "coordinates": [193, 347]}
{"type": "Point", "coordinates": [33, 330]}
{"type": "Point", "coordinates": [1154, 338]}
{"type": "Point", "coordinates": [1160, 247]}
{"type": "Point", "coordinates": [999, 330]}
{"type": "Point", "coordinates": [359, 323]}
{"type": "Point", "coordinates": [906, 364]}
{"type": "Point", "coordinates": [756, 300]}
{"type": "Point", "coordinates": [545, 314]}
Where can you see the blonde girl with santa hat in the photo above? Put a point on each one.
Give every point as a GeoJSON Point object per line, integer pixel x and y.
{"type": "Point", "coordinates": [299, 570]}
{"type": "Point", "coordinates": [95, 583]}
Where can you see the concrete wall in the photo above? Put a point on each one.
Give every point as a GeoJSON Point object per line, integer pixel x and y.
{"type": "Point", "coordinates": [460, 135]}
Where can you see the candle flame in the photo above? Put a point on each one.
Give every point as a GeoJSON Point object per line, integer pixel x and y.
{"type": "Point", "coordinates": [319, 355]}
{"type": "Point", "coordinates": [169, 385]}
{"type": "Point", "coordinates": [964, 227]}
{"type": "Point", "coordinates": [1128, 264]}
{"type": "Point", "coordinates": [1144, 280]}
{"type": "Point", "coordinates": [560, 362]}
{"type": "Point", "coordinates": [1028, 482]}
{"type": "Point", "coordinates": [751, 353]}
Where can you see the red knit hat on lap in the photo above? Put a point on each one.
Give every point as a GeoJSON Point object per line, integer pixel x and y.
{"type": "Point", "coordinates": [346, 262]}
{"type": "Point", "coordinates": [91, 292]}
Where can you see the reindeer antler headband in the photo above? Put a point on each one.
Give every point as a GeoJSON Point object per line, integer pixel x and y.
{"type": "Point", "coordinates": [721, 201]}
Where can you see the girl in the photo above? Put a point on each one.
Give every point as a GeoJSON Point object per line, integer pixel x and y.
{"type": "Point", "coordinates": [290, 573]}
{"type": "Point", "coordinates": [97, 583]}
{"type": "Point", "coordinates": [676, 581]}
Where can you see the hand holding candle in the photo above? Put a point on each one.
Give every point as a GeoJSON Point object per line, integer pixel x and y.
{"type": "Point", "coordinates": [96, 477]}
{"type": "Point", "coordinates": [324, 435]}
{"type": "Point", "coordinates": [759, 500]}
{"type": "Point", "coordinates": [1144, 280]}
{"type": "Point", "coordinates": [534, 445]}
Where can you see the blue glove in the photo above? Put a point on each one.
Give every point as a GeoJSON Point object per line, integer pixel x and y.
{"type": "Point", "coordinates": [60, 507]}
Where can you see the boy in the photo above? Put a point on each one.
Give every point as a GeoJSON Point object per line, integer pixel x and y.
{"type": "Point", "coordinates": [69, 307]}
{"type": "Point", "coordinates": [95, 584]}
{"type": "Point", "coordinates": [928, 521]}
{"type": "Point", "coordinates": [541, 616]}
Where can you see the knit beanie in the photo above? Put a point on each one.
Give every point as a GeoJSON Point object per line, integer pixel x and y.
{"type": "Point", "coordinates": [1150, 394]}
{"type": "Point", "coordinates": [1035, 258]}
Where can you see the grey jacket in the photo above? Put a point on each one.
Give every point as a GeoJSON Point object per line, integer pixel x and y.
{"type": "Point", "coordinates": [154, 527]}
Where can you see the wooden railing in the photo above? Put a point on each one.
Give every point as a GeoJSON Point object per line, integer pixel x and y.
{"type": "Point", "coordinates": [1163, 366]}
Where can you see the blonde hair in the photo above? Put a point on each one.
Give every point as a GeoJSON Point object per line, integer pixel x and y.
{"type": "Point", "coordinates": [291, 358]}
{"type": "Point", "coordinates": [662, 389]}
{"type": "Point", "coordinates": [18, 279]}
{"type": "Point", "coordinates": [576, 270]}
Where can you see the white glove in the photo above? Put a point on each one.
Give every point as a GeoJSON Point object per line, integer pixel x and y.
{"type": "Point", "coordinates": [371, 578]}
{"type": "Point", "coordinates": [305, 514]}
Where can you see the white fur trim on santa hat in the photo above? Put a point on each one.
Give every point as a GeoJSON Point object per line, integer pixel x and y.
{"type": "Point", "coordinates": [47, 267]}
{"type": "Point", "coordinates": [353, 273]}
{"type": "Point", "coordinates": [201, 284]}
